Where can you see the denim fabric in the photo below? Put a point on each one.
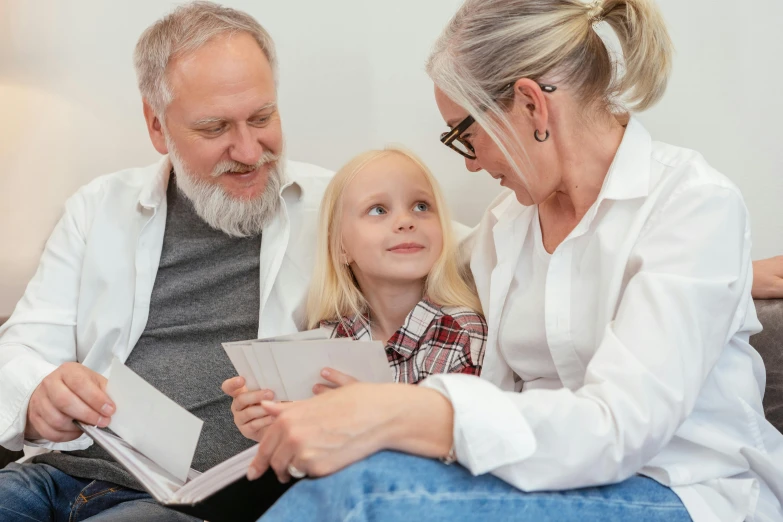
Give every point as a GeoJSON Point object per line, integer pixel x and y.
{"type": "Point", "coordinates": [39, 492]}
{"type": "Point", "coordinates": [393, 487]}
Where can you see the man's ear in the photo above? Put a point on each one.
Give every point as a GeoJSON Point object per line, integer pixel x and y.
{"type": "Point", "coordinates": [155, 129]}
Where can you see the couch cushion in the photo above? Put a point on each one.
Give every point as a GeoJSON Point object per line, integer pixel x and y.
{"type": "Point", "coordinates": [769, 344]}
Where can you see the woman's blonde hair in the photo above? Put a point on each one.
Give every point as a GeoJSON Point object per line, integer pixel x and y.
{"type": "Point", "coordinates": [334, 293]}
{"type": "Point", "coordinates": [489, 44]}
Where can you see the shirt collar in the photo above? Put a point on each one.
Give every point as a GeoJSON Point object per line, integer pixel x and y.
{"type": "Point", "coordinates": [628, 176]}
{"type": "Point", "coordinates": [154, 191]}
{"type": "Point", "coordinates": [405, 341]}
{"type": "Point", "coordinates": [356, 327]}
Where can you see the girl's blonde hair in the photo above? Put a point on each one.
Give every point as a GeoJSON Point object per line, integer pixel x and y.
{"type": "Point", "coordinates": [334, 293]}
{"type": "Point", "coordinates": [489, 44]}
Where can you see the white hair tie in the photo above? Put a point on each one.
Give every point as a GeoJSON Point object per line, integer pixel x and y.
{"type": "Point", "coordinates": [595, 10]}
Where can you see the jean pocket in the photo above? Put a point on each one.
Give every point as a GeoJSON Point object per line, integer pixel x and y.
{"type": "Point", "coordinates": [98, 496]}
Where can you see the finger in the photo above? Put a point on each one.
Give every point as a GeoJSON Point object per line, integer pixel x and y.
{"type": "Point", "coordinates": [69, 404]}
{"type": "Point", "coordinates": [266, 448]}
{"type": "Point", "coordinates": [338, 378]}
{"type": "Point", "coordinates": [51, 434]}
{"type": "Point", "coordinates": [252, 398]}
{"type": "Point", "coordinates": [90, 390]}
{"type": "Point", "coordinates": [318, 389]}
{"type": "Point", "coordinates": [276, 408]}
{"type": "Point", "coordinates": [255, 430]}
{"type": "Point", "coordinates": [45, 430]}
{"type": "Point", "coordinates": [233, 386]}
{"type": "Point", "coordinates": [54, 418]}
{"type": "Point", "coordinates": [250, 414]}
{"type": "Point", "coordinates": [258, 425]}
{"type": "Point", "coordinates": [281, 458]}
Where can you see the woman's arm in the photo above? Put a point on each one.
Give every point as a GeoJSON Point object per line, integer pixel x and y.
{"type": "Point", "coordinates": [768, 278]}
{"type": "Point", "coordinates": [687, 297]}
{"type": "Point", "coordinates": [333, 430]}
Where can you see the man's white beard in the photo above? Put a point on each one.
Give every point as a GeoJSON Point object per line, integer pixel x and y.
{"type": "Point", "coordinates": [221, 211]}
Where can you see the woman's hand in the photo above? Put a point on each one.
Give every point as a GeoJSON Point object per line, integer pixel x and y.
{"type": "Point", "coordinates": [337, 380]}
{"type": "Point", "coordinates": [768, 278]}
{"type": "Point", "coordinates": [249, 416]}
{"type": "Point", "coordinates": [322, 435]}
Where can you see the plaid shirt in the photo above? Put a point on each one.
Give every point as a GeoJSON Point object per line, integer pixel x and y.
{"type": "Point", "coordinates": [432, 339]}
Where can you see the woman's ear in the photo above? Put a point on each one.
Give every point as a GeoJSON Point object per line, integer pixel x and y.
{"type": "Point", "coordinates": [530, 99]}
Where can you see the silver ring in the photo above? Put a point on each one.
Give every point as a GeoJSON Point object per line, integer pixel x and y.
{"type": "Point", "coordinates": [295, 472]}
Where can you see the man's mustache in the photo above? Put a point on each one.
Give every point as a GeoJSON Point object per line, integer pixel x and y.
{"type": "Point", "coordinates": [243, 168]}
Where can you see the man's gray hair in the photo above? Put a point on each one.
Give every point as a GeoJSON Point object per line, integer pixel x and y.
{"type": "Point", "coordinates": [184, 30]}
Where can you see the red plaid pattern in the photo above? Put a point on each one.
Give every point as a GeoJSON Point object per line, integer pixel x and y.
{"type": "Point", "coordinates": [432, 340]}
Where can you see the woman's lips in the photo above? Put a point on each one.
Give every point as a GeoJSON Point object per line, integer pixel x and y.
{"type": "Point", "coordinates": [406, 248]}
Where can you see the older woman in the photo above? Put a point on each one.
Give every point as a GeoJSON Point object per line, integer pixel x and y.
{"type": "Point", "coordinates": [616, 276]}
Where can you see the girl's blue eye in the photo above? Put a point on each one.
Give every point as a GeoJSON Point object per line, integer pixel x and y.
{"type": "Point", "coordinates": [421, 207]}
{"type": "Point", "coordinates": [377, 210]}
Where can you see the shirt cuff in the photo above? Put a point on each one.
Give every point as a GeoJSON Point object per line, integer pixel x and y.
{"type": "Point", "coordinates": [19, 378]}
{"type": "Point", "coordinates": [489, 430]}
{"type": "Point", "coordinates": [83, 442]}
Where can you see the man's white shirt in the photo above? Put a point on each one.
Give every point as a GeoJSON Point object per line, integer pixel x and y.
{"type": "Point", "coordinates": [90, 297]}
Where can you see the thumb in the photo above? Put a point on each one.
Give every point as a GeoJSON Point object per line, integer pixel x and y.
{"type": "Point", "coordinates": [275, 408]}
{"type": "Point", "coordinates": [100, 380]}
{"type": "Point", "coordinates": [338, 378]}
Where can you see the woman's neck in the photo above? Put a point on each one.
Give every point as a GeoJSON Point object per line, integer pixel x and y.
{"type": "Point", "coordinates": [390, 303]}
{"type": "Point", "coordinates": [584, 161]}
{"type": "Point", "coordinates": [585, 158]}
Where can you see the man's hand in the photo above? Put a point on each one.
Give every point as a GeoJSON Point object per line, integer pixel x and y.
{"type": "Point", "coordinates": [768, 278]}
{"type": "Point", "coordinates": [71, 392]}
{"type": "Point", "coordinates": [249, 416]}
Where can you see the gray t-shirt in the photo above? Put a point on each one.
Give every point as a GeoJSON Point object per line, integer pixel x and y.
{"type": "Point", "coordinates": [206, 292]}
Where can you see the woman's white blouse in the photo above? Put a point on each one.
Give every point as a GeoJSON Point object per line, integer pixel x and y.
{"type": "Point", "coordinates": [533, 365]}
{"type": "Point", "coordinates": [647, 313]}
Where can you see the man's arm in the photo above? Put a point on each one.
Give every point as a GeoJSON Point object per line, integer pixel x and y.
{"type": "Point", "coordinates": [40, 337]}
{"type": "Point", "coordinates": [768, 278]}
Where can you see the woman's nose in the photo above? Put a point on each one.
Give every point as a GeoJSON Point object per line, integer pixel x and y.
{"type": "Point", "coordinates": [472, 165]}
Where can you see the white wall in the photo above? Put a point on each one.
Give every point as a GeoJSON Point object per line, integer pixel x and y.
{"type": "Point", "coordinates": [352, 77]}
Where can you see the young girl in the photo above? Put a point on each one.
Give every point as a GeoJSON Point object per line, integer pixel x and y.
{"type": "Point", "coordinates": [386, 268]}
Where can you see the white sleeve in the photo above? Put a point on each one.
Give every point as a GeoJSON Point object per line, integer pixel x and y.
{"type": "Point", "coordinates": [41, 333]}
{"type": "Point", "coordinates": [685, 299]}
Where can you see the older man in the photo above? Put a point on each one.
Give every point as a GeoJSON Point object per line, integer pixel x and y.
{"type": "Point", "coordinates": [157, 266]}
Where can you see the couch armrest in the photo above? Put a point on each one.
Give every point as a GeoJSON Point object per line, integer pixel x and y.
{"type": "Point", "coordinates": [769, 344]}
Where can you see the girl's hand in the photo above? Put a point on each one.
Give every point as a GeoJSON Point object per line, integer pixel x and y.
{"type": "Point", "coordinates": [324, 434]}
{"type": "Point", "coordinates": [249, 416]}
{"type": "Point", "coordinates": [337, 380]}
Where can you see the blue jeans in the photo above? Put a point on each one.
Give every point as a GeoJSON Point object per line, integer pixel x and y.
{"type": "Point", "coordinates": [39, 492]}
{"type": "Point", "coordinates": [393, 487]}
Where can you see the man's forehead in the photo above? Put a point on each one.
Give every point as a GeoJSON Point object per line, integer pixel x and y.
{"type": "Point", "coordinates": [225, 72]}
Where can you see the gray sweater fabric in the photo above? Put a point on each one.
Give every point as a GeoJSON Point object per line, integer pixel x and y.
{"type": "Point", "coordinates": [206, 292]}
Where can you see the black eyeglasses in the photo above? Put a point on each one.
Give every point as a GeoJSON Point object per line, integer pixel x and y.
{"type": "Point", "coordinates": [453, 139]}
